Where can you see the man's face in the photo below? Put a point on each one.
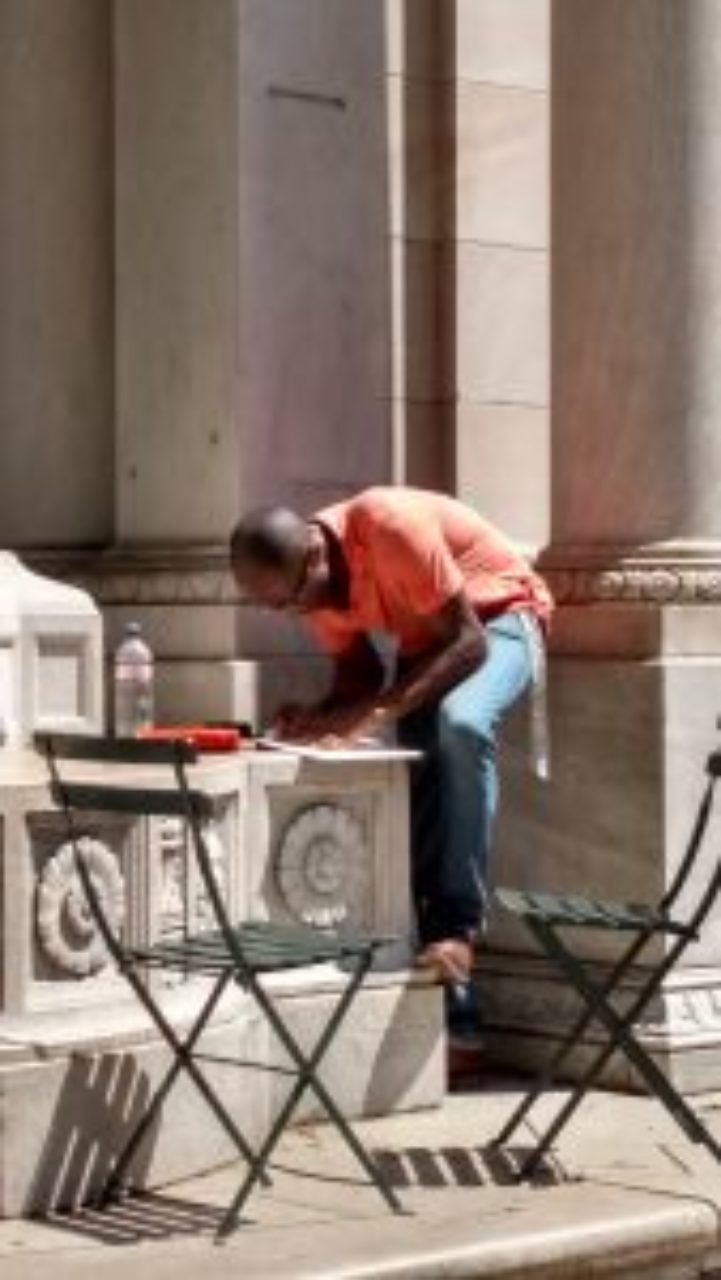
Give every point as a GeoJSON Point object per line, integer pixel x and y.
{"type": "Point", "coordinates": [296, 588]}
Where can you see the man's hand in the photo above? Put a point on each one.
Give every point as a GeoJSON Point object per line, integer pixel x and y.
{"type": "Point", "coordinates": [341, 723]}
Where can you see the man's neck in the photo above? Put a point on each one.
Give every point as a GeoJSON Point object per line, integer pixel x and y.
{"type": "Point", "coordinates": [338, 593]}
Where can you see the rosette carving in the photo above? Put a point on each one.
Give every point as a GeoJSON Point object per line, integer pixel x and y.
{"type": "Point", "coordinates": [66, 930]}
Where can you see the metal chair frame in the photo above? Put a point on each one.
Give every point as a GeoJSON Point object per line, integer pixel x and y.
{"type": "Point", "coordinates": [232, 953]}
{"type": "Point", "coordinates": [546, 916]}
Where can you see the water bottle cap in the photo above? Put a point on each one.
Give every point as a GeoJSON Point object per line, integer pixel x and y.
{"type": "Point", "coordinates": [132, 629]}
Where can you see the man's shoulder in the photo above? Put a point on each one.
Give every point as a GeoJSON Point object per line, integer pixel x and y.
{"type": "Point", "coordinates": [398, 509]}
{"type": "Point", "coordinates": [379, 504]}
{"type": "Point", "coordinates": [395, 503]}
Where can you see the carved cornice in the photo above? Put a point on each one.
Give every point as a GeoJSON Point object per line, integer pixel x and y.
{"type": "Point", "coordinates": [670, 573]}
{"type": "Point", "coordinates": [665, 573]}
{"type": "Point", "coordinates": [146, 576]}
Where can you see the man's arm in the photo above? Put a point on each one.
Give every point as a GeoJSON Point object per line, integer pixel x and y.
{"type": "Point", "coordinates": [358, 678]}
{"type": "Point", "coordinates": [460, 647]}
{"type": "Point", "coordinates": [358, 674]}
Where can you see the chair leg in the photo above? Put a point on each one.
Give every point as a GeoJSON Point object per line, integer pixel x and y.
{"type": "Point", "coordinates": [548, 1074]}
{"type": "Point", "coordinates": [620, 1036]}
{"type": "Point", "coordinates": [183, 1061]}
{"type": "Point", "coordinates": [307, 1078]}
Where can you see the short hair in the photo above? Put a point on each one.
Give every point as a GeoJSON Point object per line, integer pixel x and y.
{"type": "Point", "coordinates": [270, 537]}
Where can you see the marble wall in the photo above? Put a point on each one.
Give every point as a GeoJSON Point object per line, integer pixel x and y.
{"type": "Point", "coordinates": [56, 273]}
{"type": "Point", "coordinates": [313, 257]}
{"type": "Point", "coordinates": [253, 335]}
{"type": "Point", "coordinates": [496, 248]}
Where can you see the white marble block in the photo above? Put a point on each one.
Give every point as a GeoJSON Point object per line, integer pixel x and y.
{"type": "Point", "coordinates": [51, 672]}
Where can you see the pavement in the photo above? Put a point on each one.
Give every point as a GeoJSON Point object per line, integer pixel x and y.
{"type": "Point", "coordinates": [623, 1194]}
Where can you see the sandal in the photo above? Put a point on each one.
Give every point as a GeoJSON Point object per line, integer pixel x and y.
{"type": "Point", "coordinates": [450, 958]}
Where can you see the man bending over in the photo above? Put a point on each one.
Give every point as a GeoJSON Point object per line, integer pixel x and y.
{"type": "Point", "coordinates": [467, 615]}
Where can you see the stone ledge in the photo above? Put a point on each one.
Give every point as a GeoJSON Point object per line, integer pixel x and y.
{"type": "Point", "coordinates": [624, 1235]}
{"type": "Point", "coordinates": [650, 1241]}
{"type": "Point", "coordinates": [69, 1083]}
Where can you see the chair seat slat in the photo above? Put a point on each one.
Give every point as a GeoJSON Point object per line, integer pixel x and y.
{"type": "Point", "coordinates": [574, 910]}
{"type": "Point", "coordinates": [273, 947]}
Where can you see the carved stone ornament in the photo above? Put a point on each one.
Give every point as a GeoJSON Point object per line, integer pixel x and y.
{"type": "Point", "coordinates": [177, 857]}
{"type": "Point", "coordinates": [673, 573]}
{"type": "Point", "coordinates": [204, 913]}
{"type": "Point", "coordinates": [66, 931]}
{"type": "Point", "coordinates": [321, 865]}
{"type": "Point", "coordinates": [187, 576]}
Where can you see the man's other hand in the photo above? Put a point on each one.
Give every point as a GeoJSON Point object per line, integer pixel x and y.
{"type": "Point", "coordinates": [314, 724]}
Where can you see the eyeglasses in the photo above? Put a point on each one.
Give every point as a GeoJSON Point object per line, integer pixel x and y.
{"type": "Point", "coordinates": [294, 598]}
{"type": "Point", "coordinates": [270, 589]}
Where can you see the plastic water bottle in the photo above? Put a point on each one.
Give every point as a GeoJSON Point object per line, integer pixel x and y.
{"type": "Point", "coordinates": [133, 683]}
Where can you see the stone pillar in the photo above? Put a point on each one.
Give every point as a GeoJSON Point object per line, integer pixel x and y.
{"type": "Point", "coordinates": [636, 552]}
{"type": "Point", "coordinates": [56, 273]}
{"type": "Point", "coordinates": [420, 168]}
{"type": "Point", "coordinates": [497, 263]}
{"type": "Point", "coordinates": [253, 306]}
{"type": "Point", "coordinates": [468, 114]}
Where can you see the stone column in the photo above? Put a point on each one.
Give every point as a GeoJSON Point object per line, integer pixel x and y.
{"type": "Point", "coordinates": [636, 552]}
{"type": "Point", "coordinates": [56, 273]}
{"type": "Point", "coordinates": [496, 251]}
{"type": "Point", "coordinates": [253, 308]}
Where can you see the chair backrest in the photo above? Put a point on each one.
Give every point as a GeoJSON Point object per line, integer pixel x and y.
{"type": "Point", "coordinates": [112, 795]}
{"type": "Point", "coordinates": [693, 848]}
{"type": "Point", "coordinates": [80, 746]}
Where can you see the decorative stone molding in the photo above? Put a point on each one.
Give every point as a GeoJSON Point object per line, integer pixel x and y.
{"type": "Point", "coordinates": [665, 573]}
{"type": "Point", "coordinates": [695, 1012]}
{"type": "Point", "coordinates": [322, 864]}
{"type": "Point", "coordinates": [526, 995]}
{"type": "Point", "coordinates": [177, 863]}
{"type": "Point", "coordinates": [673, 573]}
{"type": "Point", "coordinates": [65, 929]}
{"type": "Point", "coordinates": [188, 576]}
{"type": "Point", "coordinates": [204, 914]}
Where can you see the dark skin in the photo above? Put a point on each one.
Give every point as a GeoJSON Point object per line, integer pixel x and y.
{"type": "Point", "coordinates": [356, 706]}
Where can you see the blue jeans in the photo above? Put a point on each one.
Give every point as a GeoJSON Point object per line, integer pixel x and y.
{"type": "Point", "coordinates": [454, 787]}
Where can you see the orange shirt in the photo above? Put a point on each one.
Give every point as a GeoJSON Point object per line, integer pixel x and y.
{"type": "Point", "coordinates": [408, 553]}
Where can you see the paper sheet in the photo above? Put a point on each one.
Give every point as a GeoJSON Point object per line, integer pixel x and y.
{"type": "Point", "coordinates": [361, 751]}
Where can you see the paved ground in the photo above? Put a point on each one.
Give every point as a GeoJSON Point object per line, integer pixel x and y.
{"type": "Point", "coordinates": [625, 1195]}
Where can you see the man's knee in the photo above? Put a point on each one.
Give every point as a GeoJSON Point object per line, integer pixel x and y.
{"type": "Point", "coordinates": [460, 725]}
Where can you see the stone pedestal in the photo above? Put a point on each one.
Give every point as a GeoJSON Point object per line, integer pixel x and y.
{"type": "Point", "coordinates": [50, 656]}
{"type": "Point", "coordinates": [291, 840]}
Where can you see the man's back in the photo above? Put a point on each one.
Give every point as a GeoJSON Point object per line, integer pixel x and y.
{"type": "Point", "coordinates": [408, 552]}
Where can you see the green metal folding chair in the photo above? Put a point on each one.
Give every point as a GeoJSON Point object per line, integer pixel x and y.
{"type": "Point", "coordinates": [243, 953]}
{"type": "Point", "coordinates": [552, 919]}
